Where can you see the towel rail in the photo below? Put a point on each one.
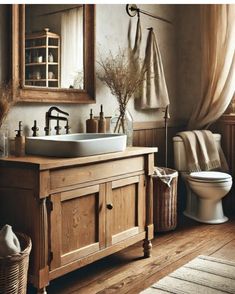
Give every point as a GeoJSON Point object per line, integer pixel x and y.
{"type": "Point", "coordinates": [132, 10]}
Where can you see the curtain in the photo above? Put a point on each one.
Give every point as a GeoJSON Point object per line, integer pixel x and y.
{"type": "Point", "coordinates": [72, 48]}
{"type": "Point", "coordinates": [218, 64]}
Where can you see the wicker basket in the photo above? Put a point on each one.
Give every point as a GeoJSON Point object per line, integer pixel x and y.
{"type": "Point", "coordinates": [14, 268]}
{"type": "Point", "coordinates": [165, 202]}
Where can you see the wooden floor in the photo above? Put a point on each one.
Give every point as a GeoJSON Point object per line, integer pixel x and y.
{"type": "Point", "coordinates": [128, 272]}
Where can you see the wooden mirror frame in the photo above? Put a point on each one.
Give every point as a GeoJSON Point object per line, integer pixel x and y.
{"type": "Point", "coordinates": [22, 93]}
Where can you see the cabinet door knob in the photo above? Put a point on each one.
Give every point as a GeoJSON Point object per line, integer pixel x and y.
{"type": "Point", "coordinates": [109, 206]}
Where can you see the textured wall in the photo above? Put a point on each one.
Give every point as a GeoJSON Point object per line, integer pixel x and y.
{"type": "Point", "coordinates": [188, 59]}
{"type": "Point", "coordinates": [177, 45]}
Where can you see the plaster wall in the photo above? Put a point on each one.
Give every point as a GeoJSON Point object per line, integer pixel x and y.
{"type": "Point", "coordinates": [111, 33]}
{"type": "Point", "coordinates": [188, 59]}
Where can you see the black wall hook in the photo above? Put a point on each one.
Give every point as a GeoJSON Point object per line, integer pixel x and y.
{"type": "Point", "coordinates": [132, 10]}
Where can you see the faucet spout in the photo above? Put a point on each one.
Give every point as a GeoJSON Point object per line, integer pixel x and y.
{"type": "Point", "coordinates": [49, 117]}
{"type": "Point", "coordinates": [57, 109]}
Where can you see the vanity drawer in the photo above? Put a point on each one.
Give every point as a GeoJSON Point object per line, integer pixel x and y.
{"type": "Point", "coordinates": [76, 175]}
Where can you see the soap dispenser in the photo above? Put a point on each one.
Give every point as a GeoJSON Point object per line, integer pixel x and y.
{"type": "Point", "coordinates": [101, 121]}
{"type": "Point", "coordinates": [19, 141]}
{"type": "Point", "coordinates": [91, 124]}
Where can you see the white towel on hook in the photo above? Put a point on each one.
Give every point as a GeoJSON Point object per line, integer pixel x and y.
{"type": "Point", "coordinates": [154, 90]}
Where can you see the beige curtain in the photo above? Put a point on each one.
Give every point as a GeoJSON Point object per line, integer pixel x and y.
{"type": "Point", "coordinates": [218, 64]}
{"type": "Point", "coordinates": [72, 48]}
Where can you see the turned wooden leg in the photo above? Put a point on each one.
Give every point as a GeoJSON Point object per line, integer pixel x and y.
{"type": "Point", "coordinates": [42, 291]}
{"type": "Point", "coordinates": [149, 209]}
{"type": "Point", "coordinates": [147, 248]}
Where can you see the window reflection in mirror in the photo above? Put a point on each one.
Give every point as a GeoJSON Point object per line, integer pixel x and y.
{"type": "Point", "coordinates": [54, 46]}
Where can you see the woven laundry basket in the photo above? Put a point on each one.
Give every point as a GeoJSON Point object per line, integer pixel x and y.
{"type": "Point", "coordinates": [14, 268]}
{"type": "Point", "coordinates": [165, 202]}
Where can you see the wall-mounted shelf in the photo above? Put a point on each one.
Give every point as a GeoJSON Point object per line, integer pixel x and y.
{"type": "Point", "coordinates": [41, 80]}
{"type": "Point", "coordinates": [41, 63]}
{"type": "Point", "coordinates": [40, 47]}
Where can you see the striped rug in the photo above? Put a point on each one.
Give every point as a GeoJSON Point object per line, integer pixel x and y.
{"type": "Point", "coordinates": [202, 275]}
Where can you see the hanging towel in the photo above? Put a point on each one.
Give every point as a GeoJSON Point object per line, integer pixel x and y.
{"type": "Point", "coordinates": [134, 55]}
{"type": "Point", "coordinates": [154, 90]}
{"type": "Point", "coordinates": [202, 152]}
{"type": "Point", "coordinates": [135, 52]}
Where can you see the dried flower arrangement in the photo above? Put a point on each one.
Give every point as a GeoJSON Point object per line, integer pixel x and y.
{"type": "Point", "coordinates": [121, 78]}
{"type": "Point", "coordinates": [5, 105]}
{"type": "Point", "coordinates": [5, 101]}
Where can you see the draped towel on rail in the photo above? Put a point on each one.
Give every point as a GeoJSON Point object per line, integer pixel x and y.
{"type": "Point", "coordinates": [154, 89]}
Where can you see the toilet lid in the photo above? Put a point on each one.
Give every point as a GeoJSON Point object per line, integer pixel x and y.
{"type": "Point", "coordinates": [210, 176]}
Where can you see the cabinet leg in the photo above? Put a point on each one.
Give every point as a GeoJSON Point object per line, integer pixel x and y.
{"type": "Point", "coordinates": [42, 291]}
{"type": "Point", "coordinates": [147, 248]}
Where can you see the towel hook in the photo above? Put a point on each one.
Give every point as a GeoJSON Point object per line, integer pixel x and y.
{"type": "Point", "coordinates": [132, 10]}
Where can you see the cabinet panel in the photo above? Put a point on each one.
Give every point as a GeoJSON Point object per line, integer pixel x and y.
{"type": "Point", "coordinates": [16, 206]}
{"type": "Point", "coordinates": [18, 178]}
{"type": "Point", "coordinates": [124, 212]}
{"type": "Point", "coordinates": [79, 222]}
{"type": "Point", "coordinates": [76, 219]}
{"type": "Point", "coordinates": [125, 200]}
{"type": "Point", "coordinates": [76, 175]}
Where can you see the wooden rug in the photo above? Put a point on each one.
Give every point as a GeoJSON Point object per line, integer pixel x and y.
{"type": "Point", "coordinates": [202, 275]}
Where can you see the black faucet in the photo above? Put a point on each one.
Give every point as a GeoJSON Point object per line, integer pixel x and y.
{"type": "Point", "coordinates": [49, 117]}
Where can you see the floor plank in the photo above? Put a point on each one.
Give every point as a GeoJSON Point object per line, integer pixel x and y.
{"type": "Point", "coordinates": [226, 252]}
{"type": "Point", "coordinates": [128, 272]}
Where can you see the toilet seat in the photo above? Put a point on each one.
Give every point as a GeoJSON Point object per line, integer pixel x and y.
{"type": "Point", "coordinates": [209, 177]}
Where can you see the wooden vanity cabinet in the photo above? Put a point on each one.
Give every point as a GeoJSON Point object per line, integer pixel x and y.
{"type": "Point", "coordinates": [78, 210]}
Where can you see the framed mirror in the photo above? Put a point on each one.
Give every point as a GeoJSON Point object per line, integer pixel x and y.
{"type": "Point", "coordinates": [53, 53]}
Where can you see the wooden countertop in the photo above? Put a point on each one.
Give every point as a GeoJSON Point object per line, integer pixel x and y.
{"type": "Point", "coordinates": [43, 163]}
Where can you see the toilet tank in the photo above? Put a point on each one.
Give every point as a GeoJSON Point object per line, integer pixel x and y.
{"type": "Point", "coordinates": [179, 152]}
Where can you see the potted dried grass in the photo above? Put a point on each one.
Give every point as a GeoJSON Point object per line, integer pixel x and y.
{"type": "Point", "coordinates": [123, 81]}
{"type": "Point", "coordinates": [5, 105]}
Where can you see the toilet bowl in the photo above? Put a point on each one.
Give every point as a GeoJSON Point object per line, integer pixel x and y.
{"type": "Point", "coordinates": [209, 189]}
{"type": "Point", "coordinates": [205, 189]}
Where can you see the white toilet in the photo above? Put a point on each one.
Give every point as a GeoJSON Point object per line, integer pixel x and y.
{"type": "Point", "coordinates": [205, 189]}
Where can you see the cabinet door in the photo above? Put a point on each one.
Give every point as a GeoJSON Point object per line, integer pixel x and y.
{"type": "Point", "coordinates": [125, 209]}
{"type": "Point", "coordinates": [77, 225]}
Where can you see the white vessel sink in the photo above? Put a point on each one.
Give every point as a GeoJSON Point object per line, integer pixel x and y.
{"type": "Point", "coordinates": [75, 145]}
